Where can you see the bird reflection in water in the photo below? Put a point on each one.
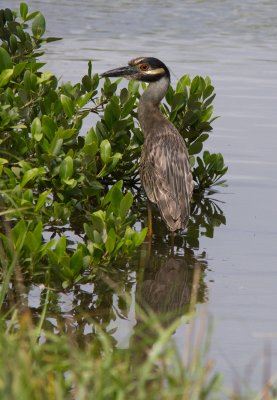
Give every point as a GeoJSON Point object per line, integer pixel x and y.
{"type": "Point", "coordinates": [169, 287]}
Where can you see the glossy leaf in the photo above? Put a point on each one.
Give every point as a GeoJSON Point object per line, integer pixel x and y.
{"type": "Point", "coordinates": [195, 148]}
{"type": "Point", "coordinates": [68, 105]}
{"type": "Point", "coordinates": [60, 248]}
{"type": "Point", "coordinates": [125, 204]}
{"type": "Point", "coordinates": [36, 129]}
{"type": "Point", "coordinates": [66, 168]}
{"type": "Point", "coordinates": [105, 151]}
{"type": "Point", "coordinates": [116, 187]}
{"type": "Point", "coordinates": [38, 26]}
{"type": "Point", "coordinates": [31, 174]}
{"type": "Point", "coordinates": [76, 261]}
{"type": "Point", "coordinates": [111, 241]}
{"type": "Point", "coordinates": [182, 83]}
{"type": "Point", "coordinates": [5, 77]}
{"type": "Point", "coordinates": [23, 10]}
{"type": "Point", "coordinates": [42, 199]}
{"type": "Point", "coordinates": [139, 237]}
{"type": "Point", "coordinates": [5, 60]}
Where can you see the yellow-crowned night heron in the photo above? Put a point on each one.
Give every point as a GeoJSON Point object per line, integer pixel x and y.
{"type": "Point", "coordinates": [164, 166]}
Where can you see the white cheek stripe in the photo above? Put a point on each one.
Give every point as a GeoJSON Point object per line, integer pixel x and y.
{"type": "Point", "coordinates": [154, 71]}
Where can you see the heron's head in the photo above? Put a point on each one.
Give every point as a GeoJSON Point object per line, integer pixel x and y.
{"type": "Point", "coordinates": [146, 69]}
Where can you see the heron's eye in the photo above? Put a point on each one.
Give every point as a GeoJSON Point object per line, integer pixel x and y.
{"type": "Point", "coordinates": [144, 67]}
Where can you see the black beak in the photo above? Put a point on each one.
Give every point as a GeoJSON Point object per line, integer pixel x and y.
{"type": "Point", "coordinates": [122, 71]}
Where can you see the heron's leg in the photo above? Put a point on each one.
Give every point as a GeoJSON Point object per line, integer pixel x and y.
{"type": "Point", "coordinates": [172, 237]}
{"type": "Point", "coordinates": [150, 228]}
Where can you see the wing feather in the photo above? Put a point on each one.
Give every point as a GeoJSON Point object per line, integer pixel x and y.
{"type": "Point", "coordinates": [166, 177]}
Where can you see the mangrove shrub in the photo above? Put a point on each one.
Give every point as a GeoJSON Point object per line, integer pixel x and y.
{"type": "Point", "coordinates": [56, 176]}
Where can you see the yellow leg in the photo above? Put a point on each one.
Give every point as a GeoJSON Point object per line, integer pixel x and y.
{"type": "Point", "coordinates": [150, 229]}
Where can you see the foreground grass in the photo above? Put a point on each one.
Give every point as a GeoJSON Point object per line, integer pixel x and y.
{"type": "Point", "coordinates": [35, 364]}
{"type": "Point", "coordinates": [39, 365]}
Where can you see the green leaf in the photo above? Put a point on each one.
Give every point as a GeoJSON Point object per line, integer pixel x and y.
{"type": "Point", "coordinates": [115, 108]}
{"type": "Point", "coordinates": [42, 199]}
{"type": "Point", "coordinates": [76, 261]}
{"type": "Point", "coordinates": [19, 234]}
{"type": "Point", "coordinates": [206, 157]}
{"type": "Point", "coordinates": [30, 81]}
{"type": "Point", "coordinates": [124, 95]}
{"type": "Point", "coordinates": [203, 137]}
{"type": "Point", "coordinates": [101, 131]}
{"type": "Point", "coordinates": [108, 116]}
{"type": "Point", "coordinates": [68, 105]}
{"type": "Point", "coordinates": [38, 26]}
{"type": "Point", "coordinates": [125, 204]}
{"type": "Point", "coordinates": [36, 129]}
{"type": "Point", "coordinates": [13, 43]}
{"type": "Point", "coordinates": [91, 137]}
{"type": "Point", "coordinates": [219, 162]}
{"type": "Point", "coordinates": [66, 168]}
{"type": "Point", "coordinates": [49, 126]}
{"type": "Point", "coordinates": [32, 15]}
{"type": "Point", "coordinates": [31, 174]}
{"type": "Point", "coordinates": [23, 10]}
{"type": "Point", "coordinates": [55, 146]}
{"type": "Point", "coordinates": [111, 241]}
{"type": "Point", "coordinates": [60, 249]}
{"type": "Point", "coordinates": [95, 185]}
{"type": "Point", "coordinates": [114, 161]}
{"type": "Point", "coordinates": [192, 161]}
{"type": "Point", "coordinates": [8, 15]}
{"type": "Point", "coordinates": [116, 187]}
{"type": "Point", "coordinates": [19, 68]}
{"type": "Point", "coordinates": [195, 148]}
{"type": "Point", "coordinates": [37, 236]}
{"type": "Point", "coordinates": [84, 99]}
{"type": "Point", "coordinates": [98, 220]}
{"type": "Point", "coordinates": [95, 81]}
{"type": "Point", "coordinates": [5, 77]}
{"type": "Point", "coordinates": [116, 200]}
{"type": "Point", "coordinates": [182, 83]}
{"type": "Point", "coordinates": [86, 81]}
{"type": "Point", "coordinates": [20, 34]}
{"type": "Point", "coordinates": [178, 101]}
{"type": "Point", "coordinates": [65, 133]}
{"type": "Point", "coordinates": [209, 100]}
{"type": "Point", "coordinates": [206, 115]}
{"type": "Point", "coordinates": [70, 182]}
{"type": "Point", "coordinates": [128, 106]}
{"type": "Point", "coordinates": [139, 237]}
{"type": "Point", "coordinates": [133, 87]}
{"type": "Point", "coordinates": [208, 91]}
{"type": "Point", "coordinates": [194, 85]}
{"type": "Point", "coordinates": [105, 151]}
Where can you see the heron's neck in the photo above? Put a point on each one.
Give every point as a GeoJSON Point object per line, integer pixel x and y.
{"type": "Point", "coordinates": [155, 91]}
{"type": "Point", "coordinates": [148, 110]}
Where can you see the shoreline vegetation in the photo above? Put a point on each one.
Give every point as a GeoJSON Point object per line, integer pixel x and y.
{"type": "Point", "coordinates": [55, 179]}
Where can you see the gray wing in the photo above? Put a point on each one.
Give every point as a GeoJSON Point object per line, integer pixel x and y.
{"type": "Point", "coordinates": [167, 179]}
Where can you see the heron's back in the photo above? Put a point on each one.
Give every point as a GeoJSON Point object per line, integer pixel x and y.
{"type": "Point", "coordinates": [165, 172]}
